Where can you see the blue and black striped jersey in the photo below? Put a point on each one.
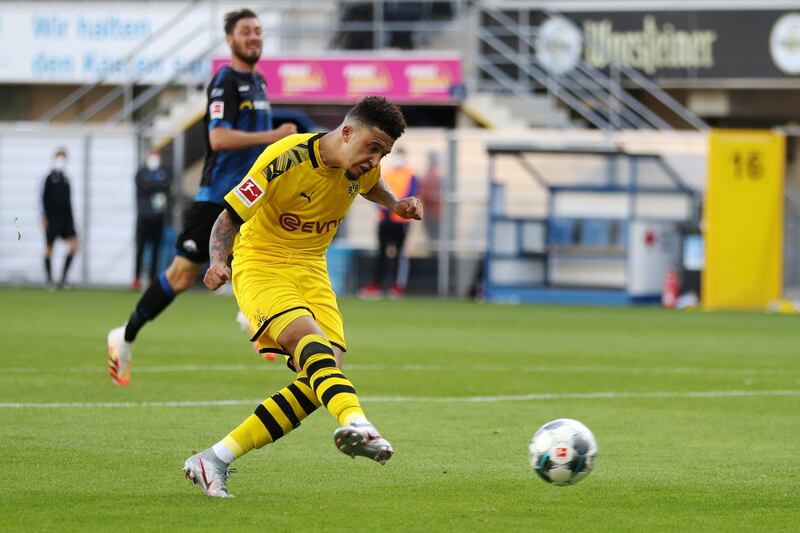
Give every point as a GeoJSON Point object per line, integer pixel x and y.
{"type": "Point", "coordinates": [236, 100]}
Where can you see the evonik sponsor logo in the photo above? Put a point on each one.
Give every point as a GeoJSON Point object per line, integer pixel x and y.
{"type": "Point", "coordinates": [292, 222]}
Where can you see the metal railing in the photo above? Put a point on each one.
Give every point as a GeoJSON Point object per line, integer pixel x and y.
{"type": "Point", "coordinates": [596, 96]}
{"type": "Point", "coordinates": [122, 90]}
{"type": "Point", "coordinates": [378, 30]}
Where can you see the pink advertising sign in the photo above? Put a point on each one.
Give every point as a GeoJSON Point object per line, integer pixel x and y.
{"type": "Point", "coordinates": [348, 79]}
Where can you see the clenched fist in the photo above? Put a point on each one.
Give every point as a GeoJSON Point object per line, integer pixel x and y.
{"type": "Point", "coordinates": [217, 275]}
{"type": "Point", "coordinates": [408, 208]}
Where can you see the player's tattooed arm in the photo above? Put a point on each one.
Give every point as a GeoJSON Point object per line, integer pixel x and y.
{"type": "Point", "coordinates": [408, 208]}
{"type": "Point", "coordinates": [219, 245]}
{"type": "Point", "coordinates": [222, 236]}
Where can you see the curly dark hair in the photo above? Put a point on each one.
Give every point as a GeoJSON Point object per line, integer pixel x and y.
{"type": "Point", "coordinates": [380, 113]}
{"type": "Point", "coordinates": [235, 16]}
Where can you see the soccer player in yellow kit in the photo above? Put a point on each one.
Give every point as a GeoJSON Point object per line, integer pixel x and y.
{"type": "Point", "coordinates": [286, 212]}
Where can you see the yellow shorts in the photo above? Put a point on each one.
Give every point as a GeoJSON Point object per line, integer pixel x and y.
{"type": "Point", "coordinates": [272, 292]}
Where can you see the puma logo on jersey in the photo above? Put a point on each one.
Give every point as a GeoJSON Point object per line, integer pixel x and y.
{"type": "Point", "coordinates": [306, 196]}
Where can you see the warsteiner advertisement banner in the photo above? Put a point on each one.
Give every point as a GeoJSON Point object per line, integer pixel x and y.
{"type": "Point", "coordinates": [693, 45]}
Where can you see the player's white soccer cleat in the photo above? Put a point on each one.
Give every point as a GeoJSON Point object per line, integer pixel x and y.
{"type": "Point", "coordinates": [207, 471]}
{"type": "Point", "coordinates": [119, 357]}
{"type": "Point", "coordinates": [361, 438]}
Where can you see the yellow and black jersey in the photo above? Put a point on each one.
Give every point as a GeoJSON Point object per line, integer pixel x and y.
{"type": "Point", "coordinates": [290, 202]}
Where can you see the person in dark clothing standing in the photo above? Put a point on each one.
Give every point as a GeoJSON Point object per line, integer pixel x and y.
{"type": "Point", "coordinates": [57, 218]}
{"type": "Point", "coordinates": [152, 193]}
{"type": "Point", "coordinates": [392, 231]}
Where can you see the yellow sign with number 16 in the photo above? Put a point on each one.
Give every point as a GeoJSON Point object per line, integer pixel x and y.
{"type": "Point", "coordinates": [744, 219]}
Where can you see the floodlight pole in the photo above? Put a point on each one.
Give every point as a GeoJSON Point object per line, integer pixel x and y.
{"type": "Point", "coordinates": [87, 212]}
{"type": "Point", "coordinates": [446, 236]}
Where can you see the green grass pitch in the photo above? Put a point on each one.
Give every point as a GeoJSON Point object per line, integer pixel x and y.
{"type": "Point", "coordinates": [696, 416]}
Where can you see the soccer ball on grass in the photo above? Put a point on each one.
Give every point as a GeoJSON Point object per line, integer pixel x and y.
{"type": "Point", "coordinates": [563, 452]}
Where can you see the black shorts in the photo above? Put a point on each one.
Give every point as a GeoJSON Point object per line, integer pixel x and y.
{"type": "Point", "coordinates": [393, 233]}
{"type": "Point", "coordinates": [193, 241]}
{"type": "Point", "coordinates": [149, 229]}
{"type": "Point", "coordinates": [55, 230]}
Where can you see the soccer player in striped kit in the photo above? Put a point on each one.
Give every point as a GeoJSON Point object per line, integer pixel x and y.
{"type": "Point", "coordinates": [286, 211]}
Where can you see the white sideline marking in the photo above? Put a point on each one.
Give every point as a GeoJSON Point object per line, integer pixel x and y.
{"type": "Point", "coordinates": [430, 399]}
{"type": "Point", "coordinates": [275, 367]}
{"type": "Point", "coordinates": [148, 369]}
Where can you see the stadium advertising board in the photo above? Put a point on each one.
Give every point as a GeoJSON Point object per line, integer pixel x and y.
{"type": "Point", "coordinates": [680, 46]}
{"type": "Point", "coordinates": [424, 80]}
{"type": "Point", "coordinates": [79, 42]}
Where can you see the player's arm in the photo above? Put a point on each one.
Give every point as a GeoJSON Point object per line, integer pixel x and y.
{"type": "Point", "coordinates": [241, 203]}
{"type": "Point", "coordinates": [408, 208]}
{"type": "Point", "coordinates": [220, 244]}
{"type": "Point", "coordinates": [223, 111]}
{"type": "Point", "coordinates": [222, 138]}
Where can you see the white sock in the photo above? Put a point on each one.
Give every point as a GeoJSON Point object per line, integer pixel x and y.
{"type": "Point", "coordinates": [360, 420]}
{"type": "Point", "coordinates": [223, 452]}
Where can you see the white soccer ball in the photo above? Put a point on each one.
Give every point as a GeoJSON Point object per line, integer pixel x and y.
{"type": "Point", "coordinates": [563, 452]}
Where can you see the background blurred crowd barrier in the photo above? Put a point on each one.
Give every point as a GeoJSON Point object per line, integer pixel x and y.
{"type": "Point", "coordinates": [103, 161]}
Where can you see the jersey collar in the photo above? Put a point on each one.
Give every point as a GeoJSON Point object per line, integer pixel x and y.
{"type": "Point", "coordinates": [313, 152]}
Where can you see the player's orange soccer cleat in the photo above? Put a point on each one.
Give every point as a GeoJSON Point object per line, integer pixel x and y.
{"type": "Point", "coordinates": [119, 357]}
{"type": "Point", "coordinates": [244, 323]}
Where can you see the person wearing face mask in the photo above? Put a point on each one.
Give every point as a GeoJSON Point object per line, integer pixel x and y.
{"type": "Point", "coordinates": [56, 212]}
{"type": "Point", "coordinates": [238, 120]}
{"type": "Point", "coordinates": [152, 191]}
{"type": "Point", "coordinates": [392, 231]}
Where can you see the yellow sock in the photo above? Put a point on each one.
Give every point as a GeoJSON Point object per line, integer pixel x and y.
{"type": "Point", "coordinates": [273, 418]}
{"type": "Point", "coordinates": [332, 388]}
